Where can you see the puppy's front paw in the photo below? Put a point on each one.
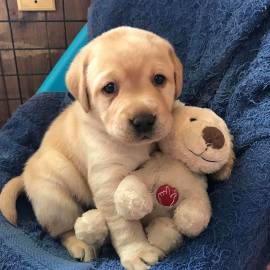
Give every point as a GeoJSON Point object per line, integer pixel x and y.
{"type": "Point", "coordinates": [77, 248]}
{"type": "Point", "coordinates": [191, 219]}
{"type": "Point", "coordinates": [140, 257]}
{"type": "Point", "coordinates": [81, 251]}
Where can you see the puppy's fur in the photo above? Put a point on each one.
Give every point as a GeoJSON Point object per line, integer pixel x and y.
{"type": "Point", "coordinates": [91, 146]}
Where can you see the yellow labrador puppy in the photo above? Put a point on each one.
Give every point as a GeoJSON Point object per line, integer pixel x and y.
{"type": "Point", "coordinates": [125, 82]}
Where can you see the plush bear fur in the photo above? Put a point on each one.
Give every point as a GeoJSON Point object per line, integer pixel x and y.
{"type": "Point", "coordinates": [169, 192]}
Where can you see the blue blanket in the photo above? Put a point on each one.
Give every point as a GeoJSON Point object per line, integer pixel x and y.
{"type": "Point", "coordinates": [225, 48]}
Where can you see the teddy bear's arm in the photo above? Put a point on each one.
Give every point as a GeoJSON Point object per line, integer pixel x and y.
{"type": "Point", "coordinates": [132, 198]}
{"type": "Point", "coordinates": [91, 228]}
{"type": "Point", "coordinates": [193, 214]}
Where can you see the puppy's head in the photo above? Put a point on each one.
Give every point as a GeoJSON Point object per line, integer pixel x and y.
{"type": "Point", "coordinates": [128, 77]}
{"type": "Point", "coordinates": [201, 140]}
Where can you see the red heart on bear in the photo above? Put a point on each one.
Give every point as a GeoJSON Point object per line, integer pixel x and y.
{"type": "Point", "coordinates": [167, 195]}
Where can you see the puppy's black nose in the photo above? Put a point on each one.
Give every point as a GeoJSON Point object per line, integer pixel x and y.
{"type": "Point", "coordinates": [143, 123]}
{"type": "Point", "coordinates": [213, 137]}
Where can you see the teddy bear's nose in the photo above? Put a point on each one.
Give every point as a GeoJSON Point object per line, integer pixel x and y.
{"type": "Point", "coordinates": [213, 137]}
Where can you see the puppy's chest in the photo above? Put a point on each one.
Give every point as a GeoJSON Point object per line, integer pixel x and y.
{"type": "Point", "coordinates": [108, 152]}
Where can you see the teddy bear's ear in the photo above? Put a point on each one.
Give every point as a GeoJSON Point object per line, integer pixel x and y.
{"type": "Point", "coordinates": [225, 172]}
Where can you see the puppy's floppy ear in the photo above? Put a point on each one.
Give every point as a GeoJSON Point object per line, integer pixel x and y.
{"type": "Point", "coordinates": [178, 73]}
{"type": "Point", "coordinates": [76, 78]}
{"type": "Point", "coordinates": [225, 172]}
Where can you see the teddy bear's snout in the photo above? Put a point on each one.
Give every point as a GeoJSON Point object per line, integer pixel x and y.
{"type": "Point", "coordinates": [213, 137]}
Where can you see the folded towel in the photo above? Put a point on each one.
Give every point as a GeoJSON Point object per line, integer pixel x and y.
{"type": "Point", "coordinates": [224, 46]}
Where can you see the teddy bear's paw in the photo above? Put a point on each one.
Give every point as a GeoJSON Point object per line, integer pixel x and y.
{"type": "Point", "coordinates": [133, 206]}
{"type": "Point", "coordinates": [140, 256]}
{"type": "Point", "coordinates": [91, 228]}
{"type": "Point", "coordinates": [163, 234]}
{"type": "Point", "coordinates": [191, 219]}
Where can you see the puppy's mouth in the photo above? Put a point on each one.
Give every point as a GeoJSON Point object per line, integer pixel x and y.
{"type": "Point", "coordinates": [149, 136]}
{"type": "Point", "coordinates": [200, 156]}
{"type": "Point", "coordinates": [144, 138]}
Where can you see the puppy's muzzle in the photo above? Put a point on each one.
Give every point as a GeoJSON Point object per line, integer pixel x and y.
{"type": "Point", "coordinates": [143, 124]}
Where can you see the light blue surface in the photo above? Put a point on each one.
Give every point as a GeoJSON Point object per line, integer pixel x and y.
{"type": "Point", "coordinates": [55, 81]}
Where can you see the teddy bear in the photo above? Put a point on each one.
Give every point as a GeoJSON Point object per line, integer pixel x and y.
{"type": "Point", "coordinates": [169, 192]}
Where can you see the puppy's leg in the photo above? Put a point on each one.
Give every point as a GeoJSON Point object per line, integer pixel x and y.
{"type": "Point", "coordinates": [132, 199]}
{"type": "Point", "coordinates": [130, 242]}
{"type": "Point", "coordinates": [48, 183]}
{"type": "Point", "coordinates": [128, 237]}
{"type": "Point", "coordinates": [77, 248]}
{"type": "Point", "coordinates": [55, 209]}
{"type": "Point", "coordinates": [193, 214]}
{"type": "Point", "coordinates": [163, 234]}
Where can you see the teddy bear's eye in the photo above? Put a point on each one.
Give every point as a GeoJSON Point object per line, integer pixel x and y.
{"type": "Point", "coordinates": [193, 119]}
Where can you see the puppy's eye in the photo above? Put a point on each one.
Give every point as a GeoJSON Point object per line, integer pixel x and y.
{"type": "Point", "coordinates": [159, 80]}
{"type": "Point", "coordinates": [192, 119]}
{"type": "Point", "coordinates": [110, 88]}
